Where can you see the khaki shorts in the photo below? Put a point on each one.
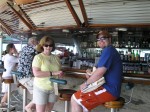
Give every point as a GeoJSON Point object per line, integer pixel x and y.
{"type": "Point", "coordinates": [92, 99]}
{"type": "Point", "coordinates": [28, 83]}
{"type": "Point", "coordinates": [41, 97]}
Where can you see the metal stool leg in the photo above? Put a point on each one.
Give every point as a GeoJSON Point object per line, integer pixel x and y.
{"type": "Point", "coordinates": [8, 100]}
{"type": "Point", "coordinates": [24, 99]}
{"type": "Point", "coordinates": [113, 110]}
{"type": "Point", "coordinates": [66, 106]}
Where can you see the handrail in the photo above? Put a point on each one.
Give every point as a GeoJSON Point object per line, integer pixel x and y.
{"type": "Point", "coordinates": [59, 81]}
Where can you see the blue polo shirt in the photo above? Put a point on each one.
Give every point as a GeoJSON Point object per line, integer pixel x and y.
{"type": "Point", "coordinates": [110, 59]}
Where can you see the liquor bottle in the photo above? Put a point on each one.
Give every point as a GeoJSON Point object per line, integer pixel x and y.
{"type": "Point", "coordinates": [143, 43]}
{"type": "Point", "coordinates": [123, 43]}
{"type": "Point", "coordinates": [84, 55]}
{"type": "Point", "coordinates": [129, 42]}
{"type": "Point", "coordinates": [126, 56]}
{"type": "Point", "coordinates": [137, 57]}
{"type": "Point", "coordinates": [134, 43]}
{"type": "Point", "coordinates": [122, 55]}
{"type": "Point", "coordinates": [129, 55]}
{"type": "Point", "coordinates": [132, 55]}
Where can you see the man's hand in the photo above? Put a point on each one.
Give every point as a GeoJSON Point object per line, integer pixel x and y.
{"type": "Point", "coordinates": [88, 73]}
{"type": "Point", "coordinates": [82, 86]}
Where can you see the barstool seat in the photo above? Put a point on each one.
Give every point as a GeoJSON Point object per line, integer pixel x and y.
{"type": "Point", "coordinates": [115, 105]}
{"type": "Point", "coordinates": [8, 80]}
{"type": "Point", "coordinates": [65, 94]}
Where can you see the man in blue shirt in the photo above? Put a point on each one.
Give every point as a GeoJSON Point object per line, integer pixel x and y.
{"type": "Point", "coordinates": [110, 67]}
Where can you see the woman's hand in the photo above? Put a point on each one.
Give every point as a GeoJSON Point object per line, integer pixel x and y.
{"type": "Point", "coordinates": [59, 73]}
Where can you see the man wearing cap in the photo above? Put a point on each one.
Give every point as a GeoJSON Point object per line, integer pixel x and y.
{"type": "Point", "coordinates": [110, 67]}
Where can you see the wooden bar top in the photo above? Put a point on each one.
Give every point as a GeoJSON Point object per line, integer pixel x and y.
{"type": "Point", "coordinates": [127, 77]}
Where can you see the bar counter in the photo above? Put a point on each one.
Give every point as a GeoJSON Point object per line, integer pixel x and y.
{"type": "Point", "coordinates": [127, 77]}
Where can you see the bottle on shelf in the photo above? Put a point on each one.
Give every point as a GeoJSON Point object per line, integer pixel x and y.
{"type": "Point", "coordinates": [84, 55]}
{"type": "Point", "coordinates": [143, 43]}
{"type": "Point", "coordinates": [126, 56]}
{"type": "Point", "coordinates": [132, 56]}
{"type": "Point", "coordinates": [137, 56]}
{"type": "Point", "coordinates": [133, 45]}
{"type": "Point", "coordinates": [129, 55]}
{"type": "Point", "coordinates": [129, 42]}
{"type": "Point", "coordinates": [122, 55]}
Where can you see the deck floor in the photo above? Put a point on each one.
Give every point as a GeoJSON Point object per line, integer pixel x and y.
{"type": "Point", "coordinates": [140, 101]}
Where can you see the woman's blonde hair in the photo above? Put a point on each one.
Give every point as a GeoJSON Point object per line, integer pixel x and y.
{"type": "Point", "coordinates": [43, 41]}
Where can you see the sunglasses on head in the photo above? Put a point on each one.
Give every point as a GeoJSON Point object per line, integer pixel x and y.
{"type": "Point", "coordinates": [50, 45]}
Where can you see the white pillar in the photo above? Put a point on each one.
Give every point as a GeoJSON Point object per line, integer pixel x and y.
{"type": "Point", "coordinates": [1, 45]}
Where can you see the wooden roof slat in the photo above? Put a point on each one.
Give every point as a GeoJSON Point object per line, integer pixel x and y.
{"type": "Point", "coordinates": [23, 20]}
{"type": "Point", "coordinates": [56, 27]}
{"type": "Point", "coordinates": [83, 12]}
{"type": "Point", "coordinates": [75, 16]}
{"type": "Point", "coordinates": [6, 27]}
{"type": "Point", "coordinates": [29, 7]}
{"type": "Point", "coordinates": [3, 29]}
{"type": "Point", "coordinates": [27, 18]}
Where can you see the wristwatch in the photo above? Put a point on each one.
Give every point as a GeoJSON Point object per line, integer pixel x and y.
{"type": "Point", "coordinates": [86, 84]}
{"type": "Point", "coordinates": [50, 73]}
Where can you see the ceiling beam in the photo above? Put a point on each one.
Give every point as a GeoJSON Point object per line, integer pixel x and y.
{"type": "Point", "coordinates": [6, 27]}
{"type": "Point", "coordinates": [75, 16]}
{"type": "Point", "coordinates": [27, 18]}
{"type": "Point", "coordinates": [118, 25]}
{"type": "Point", "coordinates": [20, 2]}
{"type": "Point", "coordinates": [83, 12]}
{"type": "Point", "coordinates": [22, 19]}
{"type": "Point", "coordinates": [56, 27]}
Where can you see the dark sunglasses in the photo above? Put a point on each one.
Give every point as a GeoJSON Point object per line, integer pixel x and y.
{"type": "Point", "coordinates": [101, 39]}
{"type": "Point", "coordinates": [50, 45]}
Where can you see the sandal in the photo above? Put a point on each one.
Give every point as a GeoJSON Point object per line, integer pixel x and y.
{"type": "Point", "coordinates": [3, 105]}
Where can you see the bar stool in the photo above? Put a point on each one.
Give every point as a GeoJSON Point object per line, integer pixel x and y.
{"type": "Point", "coordinates": [64, 94]}
{"type": "Point", "coordinates": [8, 81]}
{"type": "Point", "coordinates": [114, 106]}
{"type": "Point", "coordinates": [24, 89]}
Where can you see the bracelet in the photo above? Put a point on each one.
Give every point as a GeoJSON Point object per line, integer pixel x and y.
{"type": "Point", "coordinates": [50, 74]}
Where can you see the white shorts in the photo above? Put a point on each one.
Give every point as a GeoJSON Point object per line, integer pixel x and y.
{"type": "Point", "coordinates": [5, 87]}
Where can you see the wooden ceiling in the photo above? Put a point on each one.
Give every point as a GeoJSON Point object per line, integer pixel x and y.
{"type": "Point", "coordinates": [26, 16]}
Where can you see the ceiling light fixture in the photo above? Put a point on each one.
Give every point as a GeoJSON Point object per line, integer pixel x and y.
{"type": "Point", "coordinates": [121, 29]}
{"type": "Point", "coordinates": [65, 30]}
